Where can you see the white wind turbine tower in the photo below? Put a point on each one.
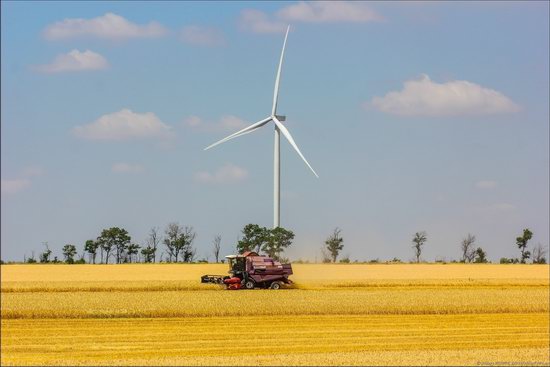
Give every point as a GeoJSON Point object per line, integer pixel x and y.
{"type": "Point", "coordinates": [279, 128]}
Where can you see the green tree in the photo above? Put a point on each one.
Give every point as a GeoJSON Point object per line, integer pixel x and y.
{"type": "Point", "coordinates": [116, 239]}
{"type": "Point", "coordinates": [254, 238]}
{"type": "Point", "coordinates": [419, 240]}
{"type": "Point", "coordinates": [522, 244]}
{"type": "Point", "coordinates": [480, 256]}
{"type": "Point", "coordinates": [152, 243]}
{"type": "Point", "coordinates": [45, 256]}
{"type": "Point", "coordinates": [277, 240]}
{"type": "Point", "coordinates": [148, 254]}
{"type": "Point", "coordinates": [91, 248]}
{"type": "Point", "coordinates": [334, 244]}
{"type": "Point", "coordinates": [133, 249]}
{"type": "Point", "coordinates": [189, 235]}
{"type": "Point", "coordinates": [179, 240]}
{"type": "Point", "coordinates": [30, 260]}
{"type": "Point", "coordinates": [69, 251]}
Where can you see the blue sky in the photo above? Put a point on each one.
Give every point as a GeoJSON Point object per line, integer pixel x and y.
{"type": "Point", "coordinates": [416, 116]}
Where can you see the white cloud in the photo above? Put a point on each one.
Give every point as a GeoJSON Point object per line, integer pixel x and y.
{"type": "Point", "coordinates": [226, 123]}
{"type": "Point", "coordinates": [14, 186]}
{"type": "Point", "coordinates": [231, 123]}
{"type": "Point", "coordinates": [308, 12]}
{"type": "Point", "coordinates": [225, 175]}
{"type": "Point", "coordinates": [486, 184]}
{"type": "Point", "coordinates": [328, 12]}
{"type": "Point", "coordinates": [455, 98]}
{"type": "Point", "coordinates": [202, 36]}
{"type": "Point", "coordinates": [108, 26]}
{"type": "Point", "coordinates": [259, 22]}
{"type": "Point", "coordinates": [74, 61]}
{"type": "Point", "coordinates": [193, 121]}
{"type": "Point", "coordinates": [123, 125]}
{"type": "Point", "coordinates": [126, 168]}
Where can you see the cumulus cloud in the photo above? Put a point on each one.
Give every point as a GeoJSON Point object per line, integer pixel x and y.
{"type": "Point", "coordinates": [108, 26]}
{"type": "Point", "coordinates": [124, 125]}
{"type": "Point", "coordinates": [307, 12]}
{"type": "Point", "coordinates": [227, 174]}
{"type": "Point", "coordinates": [126, 168]}
{"type": "Point", "coordinates": [486, 184]}
{"type": "Point", "coordinates": [257, 21]}
{"type": "Point", "coordinates": [224, 124]}
{"type": "Point", "coordinates": [74, 61]}
{"type": "Point", "coordinates": [455, 98]}
{"type": "Point", "coordinates": [231, 122]}
{"type": "Point", "coordinates": [328, 12]}
{"type": "Point", "coordinates": [14, 186]}
{"type": "Point", "coordinates": [202, 36]}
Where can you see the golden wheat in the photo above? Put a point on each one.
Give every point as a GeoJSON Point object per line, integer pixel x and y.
{"type": "Point", "coordinates": [304, 273]}
{"type": "Point", "coordinates": [275, 340]}
{"type": "Point", "coordinates": [336, 314]}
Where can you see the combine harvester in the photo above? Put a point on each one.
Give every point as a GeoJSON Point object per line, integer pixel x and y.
{"type": "Point", "coordinates": [250, 271]}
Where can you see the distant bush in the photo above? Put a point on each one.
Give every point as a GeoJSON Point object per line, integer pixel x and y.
{"type": "Point", "coordinates": [480, 256]}
{"type": "Point", "coordinates": [395, 260]}
{"type": "Point", "coordinates": [345, 260]}
{"type": "Point", "coordinates": [504, 260]}
{"type": "Point", "coordinates": [374, 261]}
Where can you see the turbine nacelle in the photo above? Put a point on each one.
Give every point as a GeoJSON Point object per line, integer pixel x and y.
{"type": "Point", "coordinates": [279, 129]}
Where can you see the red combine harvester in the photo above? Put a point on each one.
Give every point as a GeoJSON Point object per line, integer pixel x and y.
{"type": "Point", "coordinates": [251, 270]}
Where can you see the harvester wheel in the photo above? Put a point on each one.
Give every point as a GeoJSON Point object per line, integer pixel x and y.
{"type": "Point", "coordinates": [249, 284]}
{"type": "Point", "coordinates": [275, 285]}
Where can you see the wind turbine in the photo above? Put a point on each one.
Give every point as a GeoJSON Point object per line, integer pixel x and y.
{"type": "Point", "coordinates": [279, 128]}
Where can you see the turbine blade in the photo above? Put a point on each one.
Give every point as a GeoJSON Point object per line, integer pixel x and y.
{"type": "Point", "coordinates": [278, 79]}
{"type": "Point", "coordinates": [288, 137]}
{"type": "Point", "coordinates": [244, 131]}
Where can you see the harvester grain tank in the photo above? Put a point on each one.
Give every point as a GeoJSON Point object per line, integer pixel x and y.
{"type": "Point", "coordinates": [251, 270]}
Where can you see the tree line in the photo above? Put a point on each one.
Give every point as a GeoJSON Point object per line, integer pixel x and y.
{"type": "Point", "coordinates": [471, 253]}
{"type": "Point", "coordinates": [176, 244]}
{"type": "Point", "coordinates": [115, 245]}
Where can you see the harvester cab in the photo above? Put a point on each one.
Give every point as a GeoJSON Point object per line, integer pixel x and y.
{"type": "Point", "coordinates": [250, 271]}
{"type": "Point", "coordinates": [237, 264]}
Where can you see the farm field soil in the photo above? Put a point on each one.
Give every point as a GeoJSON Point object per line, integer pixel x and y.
{"type": "Point", "coordinates": [337, 315]}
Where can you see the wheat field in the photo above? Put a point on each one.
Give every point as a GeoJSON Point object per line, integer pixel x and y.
{"type": "Point", "coordinates": [356, 314]}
